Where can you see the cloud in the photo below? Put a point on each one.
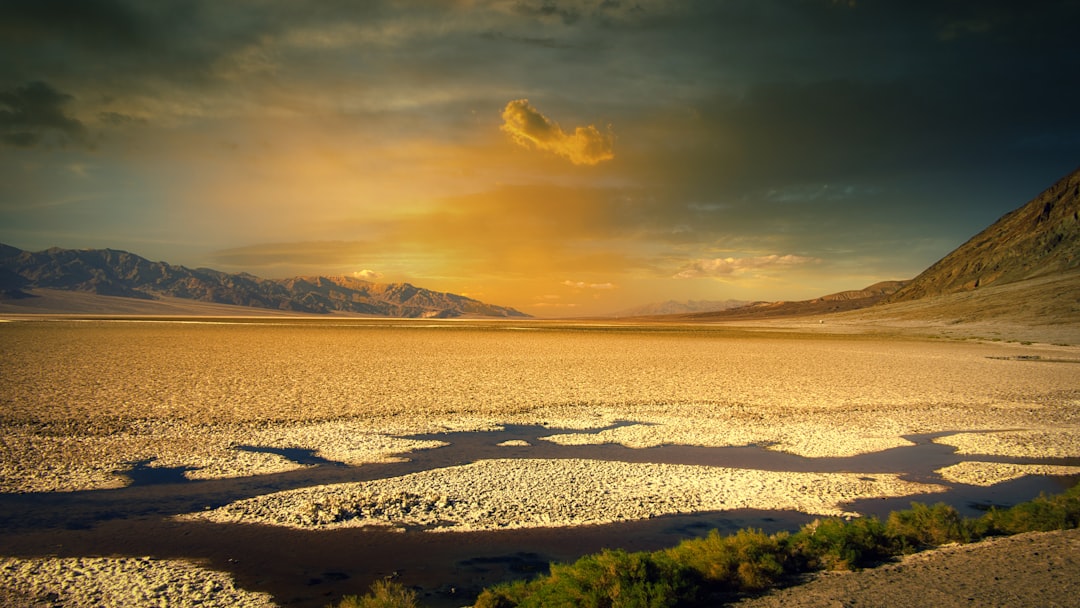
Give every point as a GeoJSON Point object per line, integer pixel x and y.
{"type": "Point", "coordinates": [584, 285]}
{"type": "Point", "coordinates": [368, 275]}
{"type": "Point", "coordinates": [315, 253]}
{"type": "Point", "coordinates": [34, 113]}
{"type": "Point", "coordinates": [720, 267]}
{"type": "Point", "coordinates": [586, 146]}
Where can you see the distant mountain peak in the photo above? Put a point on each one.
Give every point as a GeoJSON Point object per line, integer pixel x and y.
{"type": "Point", "coordinates": [120, 273]}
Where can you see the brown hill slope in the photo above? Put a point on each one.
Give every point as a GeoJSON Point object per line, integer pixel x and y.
{"type": "Point", "coordinates": [832, 303]}
{"type": "Point", "coordinates": [1038, 239]}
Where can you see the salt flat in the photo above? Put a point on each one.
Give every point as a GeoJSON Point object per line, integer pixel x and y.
{"type": "Point", "coordinates": [92, 405]}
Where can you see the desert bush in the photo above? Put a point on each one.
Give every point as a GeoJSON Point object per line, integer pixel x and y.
{"type": "Point", "coordinates": [505, 595]}
{"type": "Point", "coordinates": [383, 594]}
{"type": "Point", "coordinates": [610, 579]}
{"type": "Point", "coordinates": [922, 526]}
{"type": "Point", "coordinates": [1045, 513]}
{"type": "Point", "coordinates": [836, 544]}
{"type": "Point", "coordinates": [749, 560]}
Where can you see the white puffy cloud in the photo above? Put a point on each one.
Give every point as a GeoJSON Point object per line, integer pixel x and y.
{"type": "Point", "coordinates": [584, 285]}
{"type": "Point", "coordinates": [368, 275]}
{"type": "Point", "coordinates": [721, 267]}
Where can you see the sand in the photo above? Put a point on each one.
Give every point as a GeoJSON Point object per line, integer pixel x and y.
{"type": "Point", "coordinates": [480, 427]}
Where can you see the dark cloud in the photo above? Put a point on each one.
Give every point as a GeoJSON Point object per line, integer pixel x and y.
{"type": "Point", "coordinates": [549, 9]}
{"type": "Point", "coordinates": [34, 113]}
{"type": "Point", "coordinates": [118, 119]}
{"type": "Point", "coordinates": [87, 23]}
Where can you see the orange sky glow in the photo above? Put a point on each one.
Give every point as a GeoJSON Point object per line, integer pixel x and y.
{"type": "Point", "coordinates": [564, 157]}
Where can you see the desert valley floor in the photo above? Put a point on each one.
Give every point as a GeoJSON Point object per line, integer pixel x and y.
{"type": "Point", "coordinates": [265, 462]}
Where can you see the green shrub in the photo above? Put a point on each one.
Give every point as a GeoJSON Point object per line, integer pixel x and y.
{"type": "Point", "coordinates": [922, 526]}
{"type": "Point", "coordinates": [383, 594]}
{"type": "Point", "coordinates": [750, 560]}
{"type": "Point", "coordinates": [836, 544]}
{"type": "Point", "coordinates": [610, 579]}
{"type": "Point", "coordinates": [505, 595]}
{"type": "Point", "coordinates": [1045, 513]}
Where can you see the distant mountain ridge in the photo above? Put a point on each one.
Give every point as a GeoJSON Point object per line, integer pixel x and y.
{"type": "Point", "coordinates": [1032, 253]}
{"type": "Point", "coordinates": [672, 307]}
{"type": "Point", "coordinates": [1040, 238]}
{"type": "Point", "coordinates": [835, 302]}
{"type": "Point", "coordinates": [120, 273]}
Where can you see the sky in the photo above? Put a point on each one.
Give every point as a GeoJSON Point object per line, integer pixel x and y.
{"type": "Point", "coordinates": [564, 157]}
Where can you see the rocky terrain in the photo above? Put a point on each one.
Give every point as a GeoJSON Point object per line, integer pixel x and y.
{"type": "Point", "coordinates": [107, 272]}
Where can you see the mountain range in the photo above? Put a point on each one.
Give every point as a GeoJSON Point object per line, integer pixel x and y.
{"type": "Point", "coordinates": [675, 307]}
{"type": "Point", "coordinates": [1025, 266]}
{"type": "Point", "coordinates": [836, 302]}
{"type": "Point", "coordinates": [110, 272]}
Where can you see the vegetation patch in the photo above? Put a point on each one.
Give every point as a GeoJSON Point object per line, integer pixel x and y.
{"type": "Point", "coordinates": [699, 570]}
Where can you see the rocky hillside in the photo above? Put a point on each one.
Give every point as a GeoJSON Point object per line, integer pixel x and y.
{"type": "Point", "coordinates": [119, 273]}
{"type": "Point", "coordinates": [836, 302]}
{"type": "Point", "coordinates": [1038, 239]}
{"type": "Point", "coordinates": [676, 307]}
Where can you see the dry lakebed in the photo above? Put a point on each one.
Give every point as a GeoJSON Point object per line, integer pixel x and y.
{"type": "Point", "coordinates": [290, 461]}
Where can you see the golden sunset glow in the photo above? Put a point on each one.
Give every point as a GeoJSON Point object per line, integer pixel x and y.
{"type": "Point", "coordinates": [519, 150]}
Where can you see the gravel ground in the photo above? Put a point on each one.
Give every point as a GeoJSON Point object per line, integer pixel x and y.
{"type": "Point", "coordinates": [1038, 569]}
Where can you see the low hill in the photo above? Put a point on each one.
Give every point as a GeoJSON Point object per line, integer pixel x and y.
{"type": "Point", "coordinates": [832, 303]}
{"type": "Point", "coordinates": [674, 307]}
{"type": "Point", "coordinates": [108, 272]}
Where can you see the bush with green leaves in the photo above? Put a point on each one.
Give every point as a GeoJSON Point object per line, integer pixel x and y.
{"type": "Point", "coordinates": [610, 579]}
{"type": "Point", "coordinates": [383, 594]}
{"type": "Point", "coordinates": [750, 560]}
{"type": "Point", "coordinates": [838, 544]}
{"type": "Point", "coordinates": [1045, 513]}
{"type": "Point", "coordinates": [921, 527]}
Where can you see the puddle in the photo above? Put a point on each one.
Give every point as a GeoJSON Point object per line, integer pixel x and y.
{"type": "Point", "coordinates": [299, 456]}
{"type": "Point", "coordinates": [142, 474]}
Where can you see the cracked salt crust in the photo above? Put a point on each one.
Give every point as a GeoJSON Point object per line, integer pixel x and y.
{"type": "Point", "coordinates": [992, 473]}
{"type": "Point", "coordinates": [525, 493]}
{"type": "Point", "coordinates": [91, 582]}
{"type": "Point", "coordinates": [39, 458]}
{"type": "Point", "coordinates": [1022, 443]}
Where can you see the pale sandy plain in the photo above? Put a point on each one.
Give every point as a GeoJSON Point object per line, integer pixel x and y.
{"type": "Point", "coordinates": [85, 403]}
